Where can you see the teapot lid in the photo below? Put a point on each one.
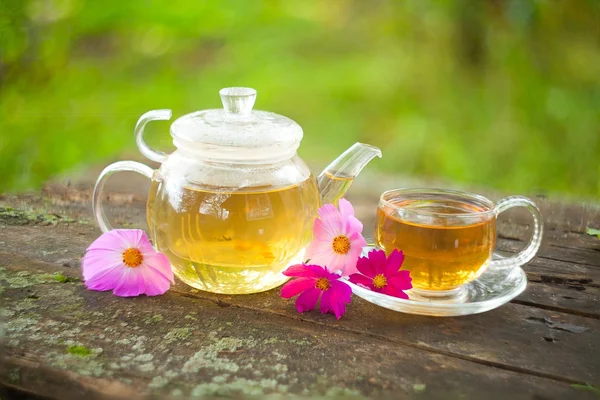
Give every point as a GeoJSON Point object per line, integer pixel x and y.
{"type": "Point", "coordinates": [236, 131]}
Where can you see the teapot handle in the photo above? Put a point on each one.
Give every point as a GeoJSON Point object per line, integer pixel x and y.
{"type": "Point", "coordinates": [99, 188]}
{"type": "Point", "coordinates": [154, 115]}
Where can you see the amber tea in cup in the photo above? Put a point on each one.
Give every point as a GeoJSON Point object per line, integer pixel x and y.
{"type": "Point", "coordinates": [448, 237]}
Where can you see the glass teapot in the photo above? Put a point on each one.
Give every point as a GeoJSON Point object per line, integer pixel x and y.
{"type": "Point", "coordinates": [233, 205]}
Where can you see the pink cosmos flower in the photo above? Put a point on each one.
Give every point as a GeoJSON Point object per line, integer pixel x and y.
{"type": "Point", "coordinates": [124, 260]}
{"type": "Point", "coordinates": [383, 275]}
{"type": "Point", "coordinates": [314, 282]}
{"type": "Point", "coordinates": [338, 239]}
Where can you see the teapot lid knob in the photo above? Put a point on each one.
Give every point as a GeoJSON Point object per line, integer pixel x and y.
{"type": "Point", "coordinates": [238, 100]}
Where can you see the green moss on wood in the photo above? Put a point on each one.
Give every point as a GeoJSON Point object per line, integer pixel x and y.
{"type": "Point", "coordinates": [79, 351]}
{"type": "Point", "coordinates": [11, 216]}
{"type": "Point", "coordinates": [153, 319]}
{"type": "Point", "coordinates": [60, 277]}
{"type": "Point", "coordinates": [177, 334]}
{"type": "Point", "coordinates": [23, 279]}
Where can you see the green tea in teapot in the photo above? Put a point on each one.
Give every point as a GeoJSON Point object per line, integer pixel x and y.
{"type": "Point", "coordinates": [233, 242]}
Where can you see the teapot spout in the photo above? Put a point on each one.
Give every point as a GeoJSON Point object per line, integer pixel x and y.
{"type": "Point", "coordinates": [335, 180]}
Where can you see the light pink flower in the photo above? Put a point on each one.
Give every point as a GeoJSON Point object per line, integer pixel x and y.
{"type": "Point", "coordinates": [383, 274]}
{"type": "Point", "coordinates": [314, 282]}
{"type": "Point", "coordinates": [338, 239]}
{"type": "Point", "coordinates": [124, 261]}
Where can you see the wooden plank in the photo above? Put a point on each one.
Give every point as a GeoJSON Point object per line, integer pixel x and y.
{"type": "Point", "coordinates": [66, 342]}
{"type": "Point", "coordinates": [465, 338]}
{"type": "Point", "coordinates": [59, 245]}
{"type": "Point", "coordinates": [513, 337]}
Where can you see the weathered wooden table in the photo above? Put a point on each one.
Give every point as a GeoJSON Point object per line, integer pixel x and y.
{"type": "Point", "coordinates": [63, 341]}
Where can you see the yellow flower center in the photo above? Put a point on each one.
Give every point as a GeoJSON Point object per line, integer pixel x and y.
{"type": "Point", "coordinates": [341, 244]}
{"type": "Point", "coordinates": [132, 257]}
{"type": "Point", "coordinates": [379, 281]}
{"type": "Point", "coordinates": [322, 284]}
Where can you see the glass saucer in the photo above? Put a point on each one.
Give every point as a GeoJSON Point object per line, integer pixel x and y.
{"type": "Point", "coordinates": [491, 290]}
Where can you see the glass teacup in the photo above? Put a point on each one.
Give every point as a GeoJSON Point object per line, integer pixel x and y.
{"type": "Point", "coordinates": [448, 237]}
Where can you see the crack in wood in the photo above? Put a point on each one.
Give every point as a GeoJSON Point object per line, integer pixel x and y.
{"type": "Point", "coordinates": [589, 250]}
{"type": "Point", "coordinates": [565, 260]}
{"type": "Point", "coordinates": [578, 313]}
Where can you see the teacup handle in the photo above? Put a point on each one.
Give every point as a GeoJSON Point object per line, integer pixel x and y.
{"type": "Point", "coordinates": [99, 188]}
{"type": "Point", "coordinates": [536, 238]}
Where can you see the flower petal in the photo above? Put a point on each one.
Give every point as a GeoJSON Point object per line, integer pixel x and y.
{"type": "Point", "coordinates": [331, 275]}
{"type": "Point", "coordinates": [132, 237]}
{"type": "Point", "coordinates": [109, 241]}
{"type": "Point", "coordinates": [343, 291]}
{"type": "Point", "coordinates": [97, 261]}
{"type": "Point", "coordinates": [354, 254]}
{"type": "Point", "coordinates": [141, 282]}
{"type": "Point", "coordinates": [346, 209]}
{"type": "Point", "coordinates": [156, 284]}
{"type": "Point", "coordinates": [378, 260]}
{"type": "Point", "coordinates": [357, 241]}
{"type": "Point", "coordinates": [391, 290]}
{"type": "Point", "coordinates": [352, 225]}
{"type": "Point", "coordinates": [338, 295]}
{"type": "Point", "coordinates": [328, 211]}
{"type": "Point", "coordinates": [318, 255]}
{"type": "Point", "coordinates": [304, 271]}
{"type": "Point", "coordinates": [394, 262]}
{"type": "Point", "coordinates": [362, 280]}
{"type": "Point", "coordinates": [307, 300]}
{"type": "Point", "coordinates": [336, 262]}
{"type": "Point", "coordinates": [107, 279]}
{"type": "Point", "coordinates": [326, 300]}
{"type": "Point", "coordinates": [349, 266]}
{"type": "Point", "coordinates": [159, 263]}
{"type": "Point", "coordinates": [145, 247]}
{"type": "Point", "coordinates": [323, 232]}
{"type": "Point", "coordinates": [318, 248]}
{"type": "Point", "coordinates": [128, 284]}
{"type": "Point", "coordinates": [332, 220]}
{"type": "Point", "coordinates": [401, 280]}
{"type": "Point", "coordinates": [365, 267]}
{"type": "Point", "coordinates": [297, 286]}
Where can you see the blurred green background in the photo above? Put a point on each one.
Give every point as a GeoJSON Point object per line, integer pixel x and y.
{"type": "Point", "coordinates": [495, 93]}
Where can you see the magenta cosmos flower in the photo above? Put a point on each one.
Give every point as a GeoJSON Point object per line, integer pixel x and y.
{"type": "Point", "coordinates": [124, 261]}
{"type": "Point", "coordinates": [314, 282]}
{"type": "Point", "coordinates": [338, 239]}
{"type": "Point", "coordinates": [383, 274]}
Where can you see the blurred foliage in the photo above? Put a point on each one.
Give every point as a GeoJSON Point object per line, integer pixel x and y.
{"type": "Point", "coordinates": [498, 93]}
